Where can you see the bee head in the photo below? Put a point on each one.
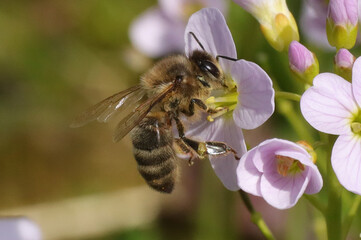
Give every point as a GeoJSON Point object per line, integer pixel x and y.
{"type": "Point", "coordinates": [207, 69]}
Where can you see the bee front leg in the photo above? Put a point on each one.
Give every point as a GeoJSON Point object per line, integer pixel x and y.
{"type": "Point", "coordinates": [199, 103]}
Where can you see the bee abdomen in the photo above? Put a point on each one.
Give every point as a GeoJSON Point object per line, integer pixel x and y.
{"type": "Point", "coordinates": [157, 167]}
{"type": "Point", "coordinates": [154, 154]}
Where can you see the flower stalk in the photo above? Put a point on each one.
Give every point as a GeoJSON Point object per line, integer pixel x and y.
{"type": "Point", "coordinates": [256, 216]}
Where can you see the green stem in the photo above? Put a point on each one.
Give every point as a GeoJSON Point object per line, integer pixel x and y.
{"type": "Point", "coordinates": [288, 95]}
{"type": "Point", "coordinates": [256, 217]}
{"type": "Point", "coordinates": [333, 213]}
{"type": "Point", "coordinates": [287, 109]}
{"type": "Point", "coordinates": [350, 216]}
{"type": "Point", "coordinates": [316, 203]}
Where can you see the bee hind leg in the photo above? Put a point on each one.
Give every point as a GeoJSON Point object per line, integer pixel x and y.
{"type": "Point", "coordinates": [204, 149]}
{"type": "Point", "coordinates": [182, 148]}
{"type": "Point", "coordinates": [210, 148]}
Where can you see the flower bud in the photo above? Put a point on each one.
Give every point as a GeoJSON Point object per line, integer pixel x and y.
{"type": "Point", "coordinates": [277, 22]}
{"type": "Point", "coordinates": [341, 24]}
{"type": "Point", "coordinates": [305, 145]}
{"type": "Point", "coordinates": [303, 63]}
{"type": "Point", "coordinates": [343, 64]}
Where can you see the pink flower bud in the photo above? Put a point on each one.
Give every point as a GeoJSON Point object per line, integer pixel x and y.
{"type": "Point", "coordinates": [343, 63]}
{"type": "Point", "coordinates": [303, 63]}
{"type": "Point", "coordinates": [341, 24]}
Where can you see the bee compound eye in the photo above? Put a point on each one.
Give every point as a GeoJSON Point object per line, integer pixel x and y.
{"type": "Point", "coordinates": [209, 67]}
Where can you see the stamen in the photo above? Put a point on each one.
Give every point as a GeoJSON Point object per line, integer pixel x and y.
{"type": "Point", "coordinates": [287, 165]}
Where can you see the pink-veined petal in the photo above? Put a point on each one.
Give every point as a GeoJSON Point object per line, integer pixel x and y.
{"type": "Point", "coordinates": [154, 34]}
{"type": "Point", "coordinates": [283, 192]}
{"type": "Point", "coordinates": [249, 177]}
{"type": "Point", "coordinates": [226, 166]}
{"type": "Point", "coordinates": [328, 105]}
{"type": "Point", "coordinates": [211, 29]}
{"type": "Point", "coordinates": [346, 161]}
{"type": "Point", "coordinates": [264, 158]}
{"type": "Point", "coordinates": [255, 95]}
{"type": "Point", "coordinates": [222, 130]}
{"type": "Point", "coordinates": [356, 80]}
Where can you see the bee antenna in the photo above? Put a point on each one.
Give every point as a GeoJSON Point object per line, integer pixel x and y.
{"type": "Point", "coordinates": [199, 43]}
{"type": "Point", "coordinates": [226, 57]}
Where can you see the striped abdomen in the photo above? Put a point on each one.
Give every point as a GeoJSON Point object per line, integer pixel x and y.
{"type": "Point", "coordinates": [154, 154]}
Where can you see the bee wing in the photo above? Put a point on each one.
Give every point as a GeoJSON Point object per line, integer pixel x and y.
{"type": "Point", "coordinates": [134, 118]}
{"type": "Point", "coordinates": [105, 110]}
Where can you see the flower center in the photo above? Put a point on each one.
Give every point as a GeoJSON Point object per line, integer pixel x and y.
{"type": "Point", "coordinates": [288, 166]}
{"type": "Point", "coordinates": [223, 105]}
{"type": "Point", "coordinates": [356, 124]}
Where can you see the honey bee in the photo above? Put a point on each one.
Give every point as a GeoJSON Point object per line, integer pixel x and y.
{"type": "Point", "coordinates": [169, 90]}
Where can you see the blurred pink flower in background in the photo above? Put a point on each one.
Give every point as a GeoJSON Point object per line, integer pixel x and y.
{"type": "Point", "coordinates": [19, 228]}
{"type": "Point", "coordinates": [160, 30]}
{"type": "Point", "coordinates": [280, 171]}
{"type": "Point", "coordinates": [332, 106]}
{"type": "Point", "coordinates": [313, 23]}
{"type": "Point", "coordinates": [250, 97]}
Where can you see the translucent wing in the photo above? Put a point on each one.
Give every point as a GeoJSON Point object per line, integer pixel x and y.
{"type": "Point", "coordinates": [134, 118]}
{"type": "Point", "coordinates": [120, 103]}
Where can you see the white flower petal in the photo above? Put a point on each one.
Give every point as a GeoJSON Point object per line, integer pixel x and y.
{"type": "Point", "coordinates": [255, 95]}
{"type": "Point", "coordinates": [329, 104]}
{"type": "Point", "coordinates": [226, 166]}
{"type": "Point", "coordinates": [283, 192]}
{"type": "Point", "coordinates": [356, 80]}
{"type": "Point", "coordinates": [222, 130]}
{"type": "Point", "coordinates": [264, 158]}
{"type": "Point", "coordinates": [249, 177]}
{"type": "Point", "coordinates": [211, 29]}
{"type": "Point", "coordinates": [346, 162]}
{"type": "Point", "coordinates": [154, 34]}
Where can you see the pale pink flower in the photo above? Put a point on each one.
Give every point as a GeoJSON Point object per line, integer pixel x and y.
{"type": "Point", "coordinates": [159, 30]}
{"type": "Point", "coordinates": [332, 106]}
{"type": "Point", "coordinates": [251, 102]}
{"type": "Point", "coordinates": [19, 228]}
{"type": "Point", "coordinates": [280, 171]}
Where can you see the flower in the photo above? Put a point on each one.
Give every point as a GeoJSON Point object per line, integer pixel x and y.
{"type": "Point", "coordinates": [313, 24]}
{"type": "Point", "coordinates": [250, 97]}
{"type": "Point", "coordinates": [343, 63]}
{"type": "Point", "coordinates": [341, 25]}
{"type": "Point", "coordinates": [19, 228]}
{"type": "Point", "coordinates": [277, 22]}
{"type": "Point", "coordinates": [280, 171]}
{"type": "Point", "coordinates": [159, 30]}
{"type": "Point", "coordinates": [303, 63]}
{"type": "Point", "coordinates": [332, 106]}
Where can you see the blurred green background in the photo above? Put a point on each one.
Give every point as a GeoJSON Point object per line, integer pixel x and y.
{"type": "Point", "coordinates": [58, 58]}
